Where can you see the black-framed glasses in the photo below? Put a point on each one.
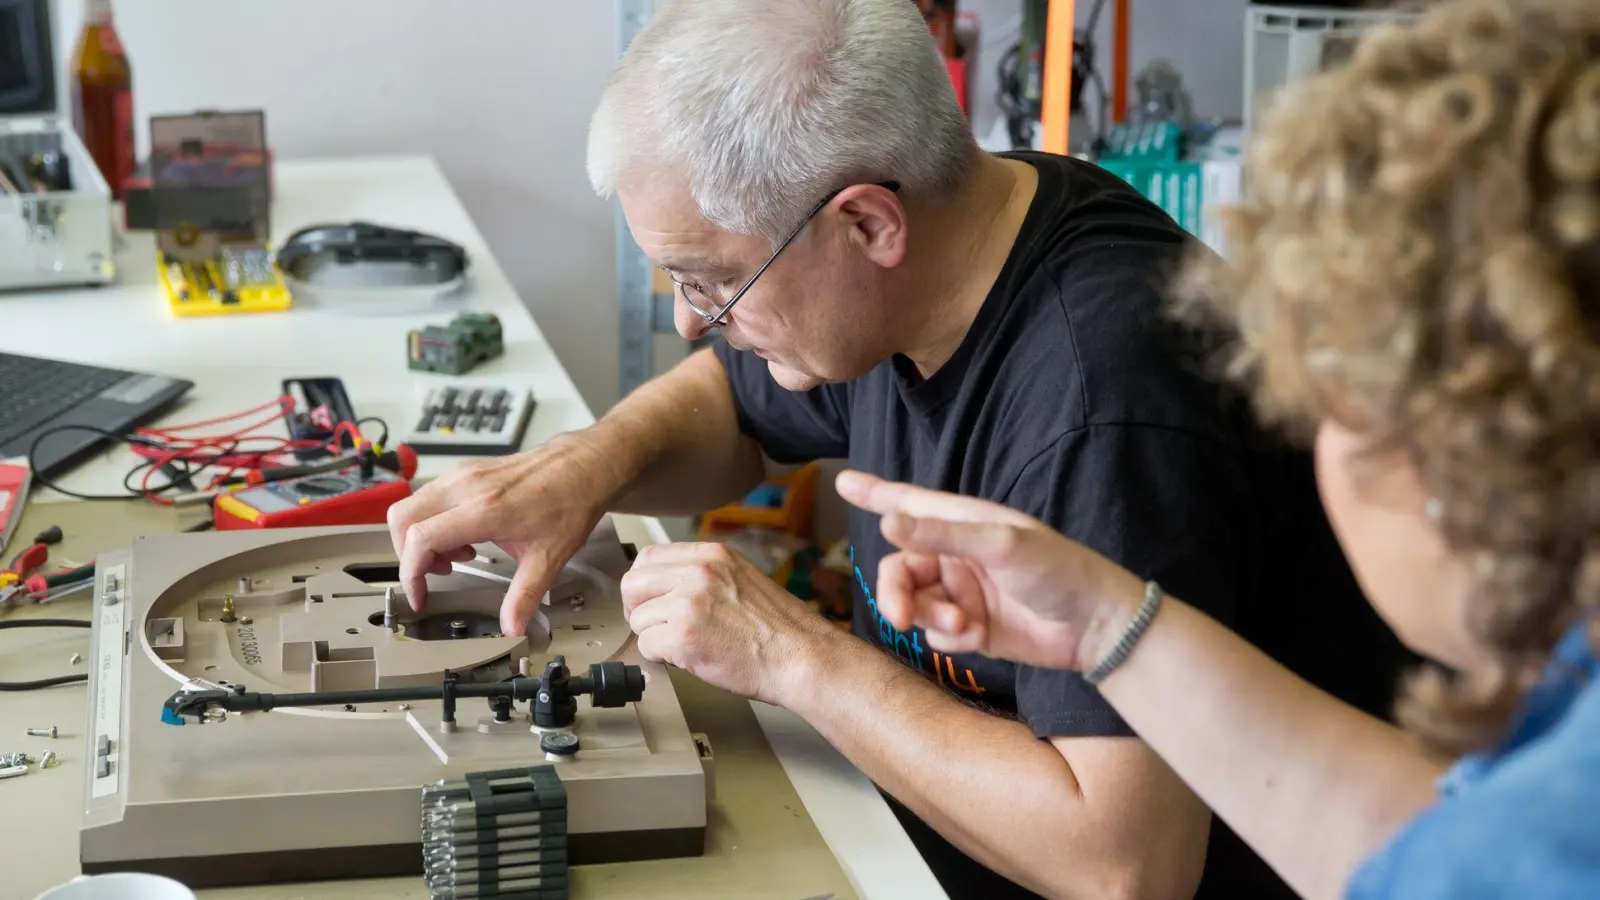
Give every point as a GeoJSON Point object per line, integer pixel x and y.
{"type": "Point", "coordinates": [717, 319]}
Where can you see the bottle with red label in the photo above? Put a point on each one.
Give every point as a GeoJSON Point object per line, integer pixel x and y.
{"type": "Point", "coordinates": [102, 95]}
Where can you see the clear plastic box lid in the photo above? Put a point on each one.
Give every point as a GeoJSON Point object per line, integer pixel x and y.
{"type": "Point", "coordinates": [210, 172]}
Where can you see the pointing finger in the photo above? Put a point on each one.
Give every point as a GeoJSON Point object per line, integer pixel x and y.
{"type": "Point", "coordinates": [983, 541]}
{"type": "Point", "coordinates": [873, 494]}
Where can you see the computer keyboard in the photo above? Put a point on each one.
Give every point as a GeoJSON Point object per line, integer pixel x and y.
{"type": "Point", "coordinates": [34, 390]}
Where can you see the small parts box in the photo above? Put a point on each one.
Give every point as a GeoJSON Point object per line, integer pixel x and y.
{"type": "Point", "coordinates": [472, 420]}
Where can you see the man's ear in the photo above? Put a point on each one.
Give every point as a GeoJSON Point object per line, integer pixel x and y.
{"type": "Point", "coordinates": [876, 220]}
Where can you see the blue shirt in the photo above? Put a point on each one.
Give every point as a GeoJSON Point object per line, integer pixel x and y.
{"type": "Point", "coordinates": [1521, 821]}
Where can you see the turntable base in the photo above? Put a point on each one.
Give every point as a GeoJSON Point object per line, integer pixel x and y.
{"type": "Point", "coordinates": [308, 789]}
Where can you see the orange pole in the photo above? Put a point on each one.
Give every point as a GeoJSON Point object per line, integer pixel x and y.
{"type": "Point", "coordinates": [1120, 78]}
{"type": "Point", "coordinates": [1056, 116]}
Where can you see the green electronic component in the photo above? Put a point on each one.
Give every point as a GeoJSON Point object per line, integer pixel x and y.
{"type": "Point", "coordinates": [455, 349]}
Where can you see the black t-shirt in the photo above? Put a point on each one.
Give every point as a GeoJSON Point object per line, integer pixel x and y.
{"type": "Point", "coordinates": [1075, 399]}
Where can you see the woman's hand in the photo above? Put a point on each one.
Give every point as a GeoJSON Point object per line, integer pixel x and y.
{"type": "Point", "coordinates": [980, 577]}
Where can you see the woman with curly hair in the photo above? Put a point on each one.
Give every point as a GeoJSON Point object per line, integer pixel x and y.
{"type": "Point", "coordinates": [1417, 291]}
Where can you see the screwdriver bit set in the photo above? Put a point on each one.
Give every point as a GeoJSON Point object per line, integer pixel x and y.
{"type": "Point", "coordinates": [499, 834]}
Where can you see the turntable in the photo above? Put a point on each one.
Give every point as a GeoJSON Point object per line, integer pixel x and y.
{"type": "Point", "coordinates": [265, 707]}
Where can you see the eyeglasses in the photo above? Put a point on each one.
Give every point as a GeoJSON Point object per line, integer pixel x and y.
{"type": "Point", "coordinates": [718, 319]}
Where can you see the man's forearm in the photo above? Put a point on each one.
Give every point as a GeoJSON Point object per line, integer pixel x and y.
{"type": "Point", "coordinates": [976, 777]}
{"type": "Point", "coordinates": [1311, 784]}
{"type": "Point", "coordinates": [674, 446]}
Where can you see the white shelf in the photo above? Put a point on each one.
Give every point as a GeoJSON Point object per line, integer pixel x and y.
{"type": "Point", "coordinates": [1283, 44]}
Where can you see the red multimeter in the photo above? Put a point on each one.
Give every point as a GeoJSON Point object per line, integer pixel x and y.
{"type": "Point", "coordinates": [348, 496]}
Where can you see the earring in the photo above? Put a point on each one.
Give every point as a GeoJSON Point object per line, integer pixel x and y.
{"type": "Point", "coordinates": [1434, 508]}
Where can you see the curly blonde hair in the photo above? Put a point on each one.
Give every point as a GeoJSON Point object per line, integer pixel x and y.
{"type": "Point", "coordinates": [1419, 259]}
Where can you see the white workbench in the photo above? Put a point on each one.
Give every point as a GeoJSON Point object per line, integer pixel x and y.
{"type": "Point", "coordinates": [238, 361]}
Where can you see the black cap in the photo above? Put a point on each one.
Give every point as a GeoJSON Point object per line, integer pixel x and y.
{"type": "Point", "coordinates": [561, 743]}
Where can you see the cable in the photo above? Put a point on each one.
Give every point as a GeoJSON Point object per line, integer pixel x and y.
{"type": "Point", "coordinates": [33, 451]}
{"type": "Point", "coordinates": [182, 456]}
{"type": "Point", "coordinates": [383, 437]}
{"type": "Point", "coordinates": [44, 682]}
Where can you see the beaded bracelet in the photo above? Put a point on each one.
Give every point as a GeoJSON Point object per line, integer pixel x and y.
{"type": "Point", "coordinates": [1136, 629]}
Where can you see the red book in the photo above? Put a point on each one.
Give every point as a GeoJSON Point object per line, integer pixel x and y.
{"type": "Point", "coordinates": [14, 478]}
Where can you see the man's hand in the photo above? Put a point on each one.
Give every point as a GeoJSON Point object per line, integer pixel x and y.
{"type": "Point", "coordinates": [980, 577]}
{"type": "Point", "coordinates": [539, 506]}
{"type": "Point", "coordinates": [708, 610]}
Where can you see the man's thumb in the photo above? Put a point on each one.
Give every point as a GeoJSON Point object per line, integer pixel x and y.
{"type": "Point", "coordinates": [982, 541]}
{"type": "Point", "coordinates": [524, 595]}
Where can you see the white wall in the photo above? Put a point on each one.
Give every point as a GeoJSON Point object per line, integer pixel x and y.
{"type": "Point", "coordinates": [498, 90]}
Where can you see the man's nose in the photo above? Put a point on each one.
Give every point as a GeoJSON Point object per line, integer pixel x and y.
{"type": "Point", "coordinates": [690, 324]}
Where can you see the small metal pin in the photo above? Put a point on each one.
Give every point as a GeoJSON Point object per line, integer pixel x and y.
{"type": "Point", "coordinates": [44, 732]}
{"type": "Point", "coordinates": [227, 609]}
{"type": "Point", "coordinates": [246, 620]}
{"type": "Point", "coordinates": [76, 658]}
{"type": "Point", "coordinates": [49, 760]}
{"type": "Point", "coordinates": [244, 585]}
{"type": "Point", "coordinates": [389, 601]}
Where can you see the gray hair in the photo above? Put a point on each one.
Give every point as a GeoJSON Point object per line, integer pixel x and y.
{"type": "Point", "coordinates": [766, 107]}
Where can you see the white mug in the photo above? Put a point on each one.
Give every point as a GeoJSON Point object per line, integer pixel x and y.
{"type": "Point", "coordinates": [119, 886]}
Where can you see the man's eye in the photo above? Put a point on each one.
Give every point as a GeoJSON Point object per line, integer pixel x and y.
{"type": "Point", "coordinates": [711, 292]}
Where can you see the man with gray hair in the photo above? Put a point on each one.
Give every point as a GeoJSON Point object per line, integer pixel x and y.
{"type": "Point", "coordinates": [988, 324]}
